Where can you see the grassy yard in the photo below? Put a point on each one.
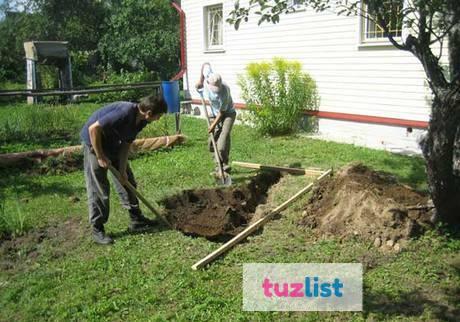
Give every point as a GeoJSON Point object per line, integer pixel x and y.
{"type": "Point", "coordinates": [55, 272]}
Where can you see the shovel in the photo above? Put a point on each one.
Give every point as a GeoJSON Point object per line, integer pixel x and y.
{"type": "Point", "coordinates": [141, 197]}
{"type": "Point", "coordinates": [225, 178]}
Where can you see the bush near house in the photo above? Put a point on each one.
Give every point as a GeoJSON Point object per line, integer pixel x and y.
{"type": "Point", "coordinates": [276, 93]}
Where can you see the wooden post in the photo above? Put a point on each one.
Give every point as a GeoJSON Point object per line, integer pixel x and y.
{"type": "Point", "coordinates": [177, 117]}
{"type": "Point", "coordinates": [250, 229]}
{"type": "Point", "coordinates": [31, 80]}
{"type": "Point", "coordinates": [65, 76]}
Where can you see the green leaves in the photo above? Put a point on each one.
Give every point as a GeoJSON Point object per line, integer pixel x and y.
{"type": "Point", "coordinates": [125, 34]}
{"type": "Point", "coordinates": [142, 35]}
{"type": "Point", "coordinates": [276, 93]}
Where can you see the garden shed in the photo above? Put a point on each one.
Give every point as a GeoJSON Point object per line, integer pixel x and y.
{"type": "Point", "coordinates": [49, 53]}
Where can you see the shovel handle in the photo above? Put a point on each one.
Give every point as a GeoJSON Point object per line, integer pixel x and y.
{"type": "Point", "coordinates": [128, 185]}
{"type": "Point", "coordinates": [222, 173]}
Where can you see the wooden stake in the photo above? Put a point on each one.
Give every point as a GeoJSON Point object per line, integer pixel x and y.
{"type": "Point", "coordinates": [250, 229]}
{"type": "Point", "coordinates": [308, 172]}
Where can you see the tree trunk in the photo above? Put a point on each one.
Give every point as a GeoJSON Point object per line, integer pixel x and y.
{"type": "Point", "coordinates": [438, 150]}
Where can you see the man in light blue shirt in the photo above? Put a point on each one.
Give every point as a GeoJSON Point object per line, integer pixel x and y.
{"type": "Point", "coordinates": [220, 99]}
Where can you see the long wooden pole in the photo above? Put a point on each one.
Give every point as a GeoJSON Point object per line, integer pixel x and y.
{"type": "Point", "coordinates": [250, 229]}
{"type": "Point", "coordinates": [271, 167]}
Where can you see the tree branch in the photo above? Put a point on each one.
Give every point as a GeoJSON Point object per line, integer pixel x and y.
{"type": "Point", "coordinates": [429, 62]}
{"type": "Point", "coordinates": [384, 25]}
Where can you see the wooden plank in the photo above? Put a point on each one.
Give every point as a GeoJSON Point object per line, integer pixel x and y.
{"type": "Point", "coordinates": [250, 229]}
{"type": "Point", "coordinates": [249, 165]}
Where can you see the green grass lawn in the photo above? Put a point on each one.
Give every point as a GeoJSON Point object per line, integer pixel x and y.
{"type": "Point", "coordinates": [55, 272]}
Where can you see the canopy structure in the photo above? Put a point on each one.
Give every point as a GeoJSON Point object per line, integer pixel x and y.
{"type": "Point", "coordinates": [50, 53]}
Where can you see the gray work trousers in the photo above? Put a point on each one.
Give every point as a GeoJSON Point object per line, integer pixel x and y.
{"type": "Point", "coordinates": [222, 135]}
{"type": "Point", "coordinates": [98, 189]}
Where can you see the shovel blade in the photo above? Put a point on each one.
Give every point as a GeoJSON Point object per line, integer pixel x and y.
{"type": "Point", "coordinates": [226, 180]}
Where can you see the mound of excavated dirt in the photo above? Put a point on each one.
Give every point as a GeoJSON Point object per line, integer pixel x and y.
{"type": "Point", "coordinates": [358, 201]}
{"type": "Point", "coordinates": [218, 214]}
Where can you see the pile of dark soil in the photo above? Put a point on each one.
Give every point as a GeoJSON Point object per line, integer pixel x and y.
{"type": "Point", "coordinates": [218, 214]}
{"type": "Point", "coordinates": [358, 201]}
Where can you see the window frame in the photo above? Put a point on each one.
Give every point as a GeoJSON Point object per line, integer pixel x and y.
{"type": "Point", "coordinates": [377, 41]}
{"type": "Point", "coordinates": [207, 28]}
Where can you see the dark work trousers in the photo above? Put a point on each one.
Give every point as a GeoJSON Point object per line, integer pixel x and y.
{"type": "Point", "coordinates": [222, 135]}
{"type": "Point", "coordinates": [98, 189]}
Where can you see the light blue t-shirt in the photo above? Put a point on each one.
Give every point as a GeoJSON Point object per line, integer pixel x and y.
{"type": "Point", "coordinates": [222, 102]}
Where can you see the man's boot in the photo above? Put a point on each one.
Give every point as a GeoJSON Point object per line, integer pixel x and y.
{"type": "Point", "coordinates": [100, 237]}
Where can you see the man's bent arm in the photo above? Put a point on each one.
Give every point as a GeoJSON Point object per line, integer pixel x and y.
{"type": "Point", "coordinates": [216, 121]}
{"type": "Point", "coordinates": [95, 136]}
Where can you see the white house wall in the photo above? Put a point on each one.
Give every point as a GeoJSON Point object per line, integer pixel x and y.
{"type": "Point", "coordinates": [353, 79]}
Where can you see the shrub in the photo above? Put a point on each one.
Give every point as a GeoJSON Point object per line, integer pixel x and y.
{"type": "Point", "coordinates": [124, 78]}
{"type": "Point", "coordinates": [84, 67]}
{"type": "Point", "coordinates": [276, 93]}
{"type": "Point", "coordinates": [9, 86]}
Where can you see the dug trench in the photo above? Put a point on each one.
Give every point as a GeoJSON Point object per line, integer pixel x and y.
{"type": "Point", "coordinates": [219, 214]}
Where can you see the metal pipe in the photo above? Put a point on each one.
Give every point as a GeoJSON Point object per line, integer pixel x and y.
{"type": "Point", "coordinates": [80, 91]}
{"type": "Point", "coordinates": [183, 56]}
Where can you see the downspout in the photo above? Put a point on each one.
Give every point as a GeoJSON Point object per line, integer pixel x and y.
{"type": "Point", "coordinates": [183, 58]}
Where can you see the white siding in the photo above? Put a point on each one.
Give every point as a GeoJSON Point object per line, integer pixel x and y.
{"type": "Point", "coordinates": [390, 138]}
{"type": "Point", "coordinates": [377, 81]}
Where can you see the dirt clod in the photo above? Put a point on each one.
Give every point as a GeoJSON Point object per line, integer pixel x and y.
{"type": "Point", "coordinates": [362, 202]}
{"type": "Point", "coordinates": [219, 214]}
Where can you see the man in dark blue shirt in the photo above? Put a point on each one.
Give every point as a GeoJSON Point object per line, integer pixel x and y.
{"type": "Point", "coordinates": [107, 136]}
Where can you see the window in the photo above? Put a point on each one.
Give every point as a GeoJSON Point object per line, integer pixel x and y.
{"type": "Point", "coordinates": [213, 27]}
{"type": "Point", "coordinates": [371, 31]}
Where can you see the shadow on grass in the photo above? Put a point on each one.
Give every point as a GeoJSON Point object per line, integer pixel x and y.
{"type": "Point", "coordinates": [22, 184]}
{"type": "Point", "coordinates": [154, 230]}
{"type": "Point", "coordinates": [415, 174]}
{"type": "Point", "coordinates": [443, 304]}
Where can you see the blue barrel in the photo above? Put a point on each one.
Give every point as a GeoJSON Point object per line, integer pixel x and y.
{"type": "Point", "coordinates": [171, 95]}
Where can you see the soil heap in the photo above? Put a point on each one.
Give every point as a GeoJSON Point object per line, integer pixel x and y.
{"type": "Point", "coordinates": [358, 201]}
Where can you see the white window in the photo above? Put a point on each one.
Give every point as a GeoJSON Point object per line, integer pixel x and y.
{"type": "Point", "coordinates": [214, 26]}
{"type": "Point", "coordinates": [373, 32]}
